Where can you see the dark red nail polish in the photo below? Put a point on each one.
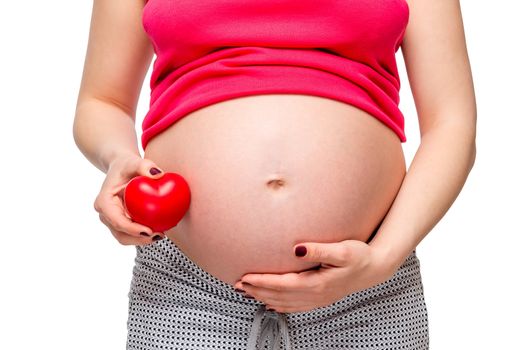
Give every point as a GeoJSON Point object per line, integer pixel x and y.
{"type": "Point", "coordinates": [248, 296]}
{"type": "Point", "coordinates": [144, 234]}
{"type": "Point", "coordinates": [157, 237]}
{"type": "Point", "coordinates": [239, 290]}
{"type": "Point", "coordinates": [300, 250]}
{"type": "Point", "coordinates": [154, 171]}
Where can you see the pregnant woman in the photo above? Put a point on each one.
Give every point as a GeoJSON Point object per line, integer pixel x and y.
{"type": "Point", "coordinates": [283, 118]}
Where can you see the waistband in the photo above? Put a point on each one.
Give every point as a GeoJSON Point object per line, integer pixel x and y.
{"type": "Point", "coordinates": [214, 296]}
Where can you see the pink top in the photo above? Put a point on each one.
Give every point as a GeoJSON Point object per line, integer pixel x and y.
{"type": "Point", "coordinates": [211, 51]}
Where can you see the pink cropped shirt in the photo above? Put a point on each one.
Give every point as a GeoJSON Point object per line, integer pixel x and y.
{"type": "Point", "coordinates": [215, 50]}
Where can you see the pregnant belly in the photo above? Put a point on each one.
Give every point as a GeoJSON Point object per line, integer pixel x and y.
{"type": "Point", "coordinates": [269, 171]}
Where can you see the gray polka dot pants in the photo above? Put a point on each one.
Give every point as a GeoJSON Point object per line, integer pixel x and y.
{"type": "Point", "coordinates": [174, 304]}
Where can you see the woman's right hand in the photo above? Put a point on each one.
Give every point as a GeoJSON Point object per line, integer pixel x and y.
{"type": "Point", "coordinates": [109, 203]}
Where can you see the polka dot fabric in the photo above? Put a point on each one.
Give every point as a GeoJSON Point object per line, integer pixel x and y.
{"type": "Point", "coordinates": [175, 304]}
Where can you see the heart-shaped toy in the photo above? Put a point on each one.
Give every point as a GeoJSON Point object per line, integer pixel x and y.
{"type": "Point", "coordinates": [157, 203]}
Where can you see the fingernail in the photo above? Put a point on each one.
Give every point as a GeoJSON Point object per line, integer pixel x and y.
{"type": "Point", "coordinates": [248, 296]}
{"type": "Point", "coordinates": [144, 234]}
{"type": "Point", "coordinates": [300, 250]}
{"type": "Point", "coordinates": [157, 237]}
{"type": "Point", "coordinates": [154, 171]}
{"type": "Point", "coordinates": [239, 290]}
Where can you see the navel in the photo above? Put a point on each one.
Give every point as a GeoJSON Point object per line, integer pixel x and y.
{"type": "Point", "coordinates": [276, 183]}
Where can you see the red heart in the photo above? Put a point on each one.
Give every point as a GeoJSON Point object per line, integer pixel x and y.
{"type": "Point", "coordinates": [157, 203]}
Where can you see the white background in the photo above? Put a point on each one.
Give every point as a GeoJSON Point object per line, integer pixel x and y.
{"type": "Point", "coordinates": [64, 278]}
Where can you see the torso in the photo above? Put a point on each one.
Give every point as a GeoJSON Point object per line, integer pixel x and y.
{"type": "Point", "coordinates": [269, 171]}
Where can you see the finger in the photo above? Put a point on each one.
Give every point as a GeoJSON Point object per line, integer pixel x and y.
{"type": "Point", "coordinates": [119, 190]}
{"type": "Point", "coordinates": [284, 308]}
{"type": "Point", "coordinates": [277, 282]}
{"type": "Point", "coordinates": [297, 307]}
{"type": "Point", "coordinates": [147, 167]}
{"type": "Point", "coordinates": [116, 220]}
{"type": "Point", "coordinates": [135, 166]}
{"type": "Point", "coordinates": [299, 303]}
{"type": "Point", "coordinates": [123, 237]}
{"type": "Point", "coordinates": [117, 217]}
{"type": "Point", "coordinates": [291, 281]}
{"type": "Point", "coordinates": [272, 296]}
{"type": "Point", "coordinates": [335, 254]}
{"type": "Point", "coordinates": [262, 294]}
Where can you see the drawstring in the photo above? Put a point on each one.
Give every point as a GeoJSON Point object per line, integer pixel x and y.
{"type": "Point", "coordinates": [273, 327]}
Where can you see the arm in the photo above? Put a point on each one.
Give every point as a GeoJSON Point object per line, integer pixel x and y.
{"type": "Point", "coordinates": [439, 73]}
{"type": "Point", "coordinates": [117, 59]}
{"type": "Point", "coordinates": [440, 78]}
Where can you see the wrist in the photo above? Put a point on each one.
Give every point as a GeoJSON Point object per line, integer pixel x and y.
{"type": "Point", "coordinates": [109, 157]}
{"type": "Point", "coordinates": [389, 256]}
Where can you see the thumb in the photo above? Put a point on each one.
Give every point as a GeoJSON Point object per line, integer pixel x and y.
{"type": "Point", "coordinates": [328, 253]}
{"type": "Point", "coordinates": [140, 166]}
{"type": "Point", "coordinates": [149, 168]}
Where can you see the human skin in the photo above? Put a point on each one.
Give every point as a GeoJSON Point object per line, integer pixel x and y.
{"type": "Point", "coordinates": [440, 79]}
{"type": "Point", "coordinates": [269, 171]}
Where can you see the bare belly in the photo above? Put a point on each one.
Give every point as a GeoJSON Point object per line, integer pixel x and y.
{"type": "Point", "coordinates": [269, 171]}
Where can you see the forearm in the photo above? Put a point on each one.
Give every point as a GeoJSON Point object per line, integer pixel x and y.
{"type": "Point", "coordinates": [435, 177]}
{"type": "Point", "coordinates": [103, 131]}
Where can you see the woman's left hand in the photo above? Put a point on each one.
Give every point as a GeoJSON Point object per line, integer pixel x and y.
{"type": "Point", "coordinates": [346, 267]}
